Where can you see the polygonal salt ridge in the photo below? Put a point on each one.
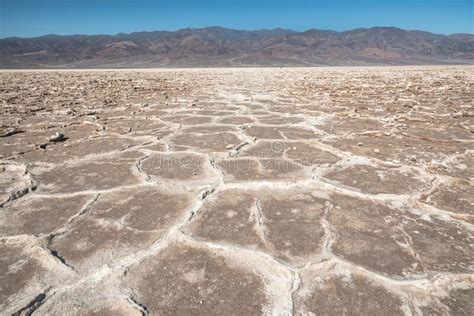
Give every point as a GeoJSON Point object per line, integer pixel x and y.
{"type": "Point", "coordinates": [461, 166]}
{"type": "Point", "coordinates": [123, 222]}
{"type": "Point", "coordinates": [42, 215]}
{"type": "Point", "coordinates": [188, 119]}
{"type": "Point", "coordinates": [92, 175]}
{"type": "Point", "coordinates": [209, 143]}
{"type": "Point", "coordinates": [107, 300]}
{"type": "Point", "coordinates": [263, 132]}
{"type": "Point", "coordinates": [148, 208]}
{"type": "Point", "coordinates": [284, 222]}
{"type": "Point", "coordinates": [228, 216]}
{"type": "Point", "coordinates": [236, 119]}
{"type": "Point", "coordinates": [347, 160]}
{"type": "Point", "coordinates": [179, 167]}
{"type": "Point", "coordinates": [186, 265]}
{"type": "Point", "coordinates": [265, 169]}
{"type": "Point", "coordinates": [398, 242]}
{"type": "Point", "coordinates": [316, 119]}
{"type": "Point", "coordinates": [278, 119]}
{"type": "Point", "coordinates": [445, 293]}
{"type": "Point", "coordinates": [451, 195]}
{"type": "Point", "coordinates": [134, 125]}
{"type": "Point", "coordinates": [301, 153]}
{"type": "Point", "coordinates": [305, 153]}
{"type": "Point", "coordinates": [244, 97]}
{"type": "Point", "coordinates": [29, 270]}
{"type": "Point", "coordinates": [122, 262]}
{"type": "Point", "coordinates": [266, 149]}
{"type": "Point", "coordinates": [394, 148]}
{"type": "Point", "coordinates": [437, 132]}
{"type": "Point", "coordinates": [428, 212]}
{"type": "Point", "coordinates": [332, 286]}
{"type": "Point", "coordinates": [360, 174]}
{"type": "Point", "coordinates": [342, 124]}
{"type": "Point", "coordinates": [336, 284]}
{"type": "Point", "coordinates": [15, 181]}
{"type": "Point", "coordinates": [294, 224]}
{"type": "Point", "coordinates": [215, 112]}
{"type": "Point", "coordinates": [209, 129]}
{"type": "Point", "coordinates": [84, 149]}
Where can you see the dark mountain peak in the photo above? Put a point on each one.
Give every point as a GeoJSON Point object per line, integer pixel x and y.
{"type": "Point", "coordinates": [310, 31]}
{"type": "Point", "coordinates": [316, 32]}
{"type": "Point", "coordinates": [376, 31]}
{"type": "Point", "coordinates": [387, 29]}
{"type": "Point", "coordinates": [215, 28]}
{"type": "Point", "coordinates": [276, 31]}
{"type": "Point", "coordinates": [280, 29]}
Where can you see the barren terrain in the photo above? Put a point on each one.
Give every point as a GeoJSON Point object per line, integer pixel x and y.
{"type": "Point", "coordinates": [222, 47]}
{"type": "Point", "coordinates": [238, 191]}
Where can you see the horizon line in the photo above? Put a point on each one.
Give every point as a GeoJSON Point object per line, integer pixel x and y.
{"type": "Point", "coordinates": [228, 28]}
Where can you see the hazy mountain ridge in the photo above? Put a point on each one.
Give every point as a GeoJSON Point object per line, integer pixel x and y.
{"type": "Point", "coordinates": [217, 46]}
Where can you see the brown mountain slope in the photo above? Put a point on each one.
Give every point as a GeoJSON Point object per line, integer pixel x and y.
{"type": "Point", "coordinates": [217, 46]}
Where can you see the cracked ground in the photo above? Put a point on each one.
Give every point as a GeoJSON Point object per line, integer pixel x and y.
{"type": "Point", "coordinates": [293, 191]}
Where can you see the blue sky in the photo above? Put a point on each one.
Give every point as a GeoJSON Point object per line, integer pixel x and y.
{"type": "Point", "coordinates": [28, 18]}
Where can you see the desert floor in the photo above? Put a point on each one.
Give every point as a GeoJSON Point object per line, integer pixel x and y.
{"type": "Point", "coordinates": [238, 191]}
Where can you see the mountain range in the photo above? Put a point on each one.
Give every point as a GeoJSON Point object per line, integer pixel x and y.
{"type": "Point", "coordinates": [222, 47]}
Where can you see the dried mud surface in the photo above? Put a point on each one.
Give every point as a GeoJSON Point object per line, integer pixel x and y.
{"type": "Point", "coordinates": [238, 192]}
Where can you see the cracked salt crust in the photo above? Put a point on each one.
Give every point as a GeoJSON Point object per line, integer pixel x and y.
{"type": "Point", "coordinates": [291, 191]}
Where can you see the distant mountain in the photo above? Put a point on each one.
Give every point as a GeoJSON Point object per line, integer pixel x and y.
{"type": "Point", "coordinates": [217, 46]}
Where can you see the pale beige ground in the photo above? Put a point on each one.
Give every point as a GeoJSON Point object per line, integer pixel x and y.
{"type": "Point", "coordinates": [238, 191]}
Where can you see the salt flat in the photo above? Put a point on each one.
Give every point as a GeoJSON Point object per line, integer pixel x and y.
{"type": "Point", "coordinates": [238, 191]}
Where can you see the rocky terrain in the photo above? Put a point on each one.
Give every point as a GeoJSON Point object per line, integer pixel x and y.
{"type": "Point", "coordinates": [238, 191]}
{"type": "Point", "coordinates": [217, 46]}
